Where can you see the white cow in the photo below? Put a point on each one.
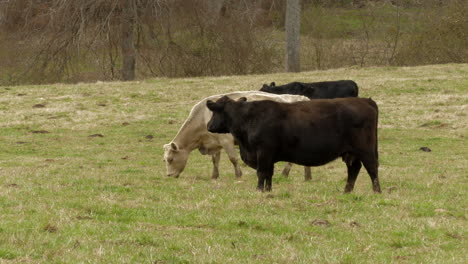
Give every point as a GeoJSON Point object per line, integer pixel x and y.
{"type": "Point", "coordinates": [194, 134]}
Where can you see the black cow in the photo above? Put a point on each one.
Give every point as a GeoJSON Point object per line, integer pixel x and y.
{"type": "Point", "coordinates": [309, 133]}
{"type": "Point", "coordinates": [316, 90]}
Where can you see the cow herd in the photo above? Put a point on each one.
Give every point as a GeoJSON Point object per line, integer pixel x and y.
{"type": "Point", "coordinates": [309, 124]}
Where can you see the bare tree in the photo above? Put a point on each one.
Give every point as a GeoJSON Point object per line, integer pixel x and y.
{"type": "Point", "coordinates": [397, 33]}
{"type": "Point", "coordinates": [87, 40]}
{"type": "Point", "coordinates": [72, 34]}
{"type": "Point", "coordinates": [293, 26]}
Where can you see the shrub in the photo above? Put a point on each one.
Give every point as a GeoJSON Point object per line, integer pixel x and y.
{"type": "Point", "coordinates": [441, 37]}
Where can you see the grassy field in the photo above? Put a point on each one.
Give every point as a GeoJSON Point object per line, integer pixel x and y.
{"type": "Point", "coordinates": [83, 181]}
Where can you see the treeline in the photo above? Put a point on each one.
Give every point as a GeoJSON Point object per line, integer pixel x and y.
{"type": "Point", "coordinates": [88, 40]}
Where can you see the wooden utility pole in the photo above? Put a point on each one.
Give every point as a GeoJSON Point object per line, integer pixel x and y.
{"type": "Point", "coordinates": [128, 47]}
{"type": "Point", "coordinates": [293, 26]}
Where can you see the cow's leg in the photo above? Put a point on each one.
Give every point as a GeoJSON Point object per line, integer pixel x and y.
{"type": "Point", "coordinates": [232, 154]}
{"type": "Point", "coordinates": [261, 182]}
{"type": "Point", "coordinates": [265, 168]}
{"type": "Point", "coordinates": [265, 177]}
{"type": "Point", "coordinates": [286, 169]}
{"type": "Point", "coordinates": [269, 178]}
{"type": "Point", "coordinates": [307, 173]}
{"type": "Point", "coordinates": [371, 164]}
{"type": "Point", "coordinates": [353, 170]}
{"type": "Point", "coordinates": [237, 169]}
{"type": "Point", "coordinates": [215, 158]}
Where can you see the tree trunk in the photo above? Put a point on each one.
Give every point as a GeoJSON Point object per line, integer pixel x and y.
{"type": "Point", "coordinates": [293, 26]}
{"type": "Point", "coordinates": [127, 45]}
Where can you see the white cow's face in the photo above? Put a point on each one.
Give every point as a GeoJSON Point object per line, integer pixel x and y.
{"type": "Point", "coordinates": [175, 159]}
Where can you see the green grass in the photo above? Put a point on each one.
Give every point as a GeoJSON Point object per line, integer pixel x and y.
{"type": "Point", "coordinates": [67, 197]}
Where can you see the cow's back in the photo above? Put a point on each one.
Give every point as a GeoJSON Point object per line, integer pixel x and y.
{"type": "Point", "coordinates": [251, 96]}
{"type": "Point", "coordinates": [346, 112]}
{"type": "Point", "coordinates": [316, 90]}
{"type": "Point", "coordinates": [334, 89]}
{"type": "Point", "coordinates": [194, 127]}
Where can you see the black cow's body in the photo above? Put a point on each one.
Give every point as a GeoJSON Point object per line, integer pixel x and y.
{"type": "Point", "coordinates": [316, 90]}
{"type": "Point", "coordinates": [310, 133]}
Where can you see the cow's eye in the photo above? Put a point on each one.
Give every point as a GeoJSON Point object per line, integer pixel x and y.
{"type": "Point", "coordinates": [169, 160]}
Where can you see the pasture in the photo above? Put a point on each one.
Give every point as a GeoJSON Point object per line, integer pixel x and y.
{"type": "Point", "coordinates": [82, 178]}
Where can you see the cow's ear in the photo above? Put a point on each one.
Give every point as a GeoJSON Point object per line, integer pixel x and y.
{"type": "Point", "coordinates": [242, 99]}
{"type": "Point", "coordinates": [174, 146]}
{"type": "Point", "coordinates": [214, 106]}
{"type": "Point", "coordinates": [273, 84]}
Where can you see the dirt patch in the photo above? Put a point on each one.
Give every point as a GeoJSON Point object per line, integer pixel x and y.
{"type": "Point", "coordinates": [434, 124]}
{"type": "Point", "coordinates": [321, 222]}
{"type": "Point", "coordinates": [402, 257]}
{"type": "Point", "coordinates": [40, 132]}
{"type": "Point", "coordinates": [50, 228]}
{"type": "Point", "coordinates": [242, 224]}
{"type": "Point", "coordinates": [39, 106]}
{"type": "Point", "coordinates": [454, 236]}
{"type": "Point", "coordinates": [425, 149]}
{"type": "Point", "coordinates": [96, 135]}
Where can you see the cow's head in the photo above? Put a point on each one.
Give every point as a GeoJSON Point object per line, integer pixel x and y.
{"type": "Point", "coordinates": [220, 121]}
{"type": "Point", "coordinates": [175, 159]}
{"type": "Point", "coordinates": [266, 87]}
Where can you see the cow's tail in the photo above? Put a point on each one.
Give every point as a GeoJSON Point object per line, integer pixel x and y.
{"type": "Point", "coordinates": [376, 139]}
{"type": "Point", "coordinates": [374, 105]}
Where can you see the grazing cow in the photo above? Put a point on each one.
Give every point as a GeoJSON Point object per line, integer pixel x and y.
{"type": "Point", "coordinates": [310, 133]}
{"type": "Point", "coordinates": [316, 90]}
{"type": "Point", "coordinates": [193, 134]}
